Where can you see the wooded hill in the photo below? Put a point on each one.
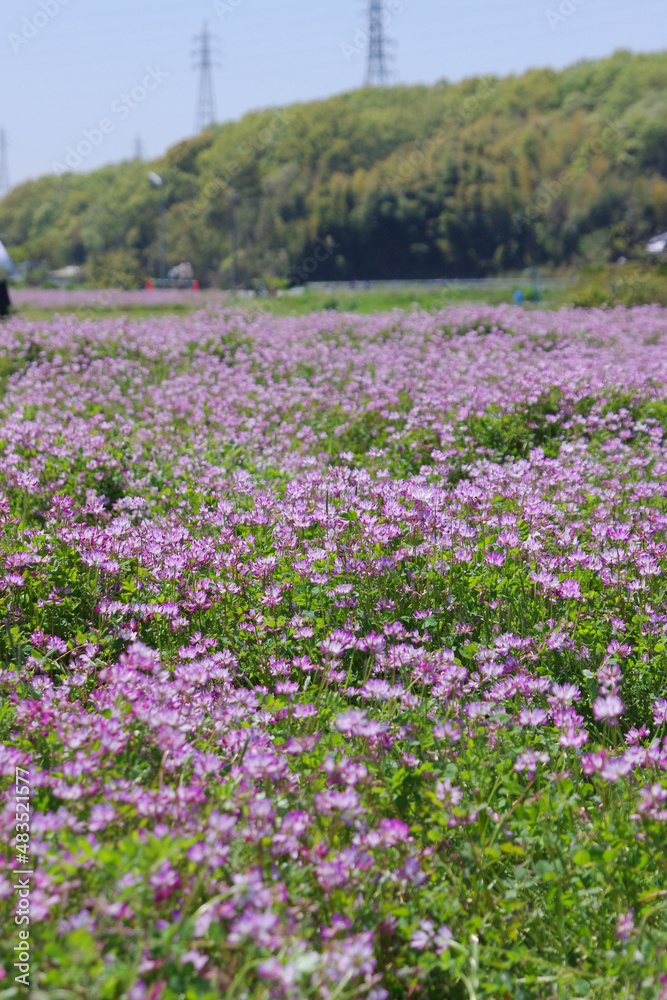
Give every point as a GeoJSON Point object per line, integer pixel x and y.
{"type": "Point", "coordinates": [459, 180]}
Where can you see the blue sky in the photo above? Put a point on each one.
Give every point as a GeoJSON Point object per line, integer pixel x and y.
{"type": "Point", "coordinates": [83, 56]}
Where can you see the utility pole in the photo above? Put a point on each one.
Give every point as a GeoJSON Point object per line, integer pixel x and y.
{"type": "Point", "coordinates": [138, 149]}
{"type": "Point", "coordinates": [4, 167]}
{"type": "Point", "coordinates": [205, 62]}
{"type": "Point", "coordinates": [377, 74]}
{"type": "Point", "coordinates": [235, 271]}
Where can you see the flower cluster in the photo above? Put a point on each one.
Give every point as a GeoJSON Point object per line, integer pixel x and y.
{"type": "Point", "coordinates": [336, 649]}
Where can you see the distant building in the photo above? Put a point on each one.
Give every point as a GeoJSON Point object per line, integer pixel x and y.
{"type": "Point", "coordinates": [65, 275]}
{"type": "Point", "coordinates": [658, 244]}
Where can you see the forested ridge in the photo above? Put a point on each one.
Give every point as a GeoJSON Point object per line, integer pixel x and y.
{"type": "Point", "coordinates": [476, 178]}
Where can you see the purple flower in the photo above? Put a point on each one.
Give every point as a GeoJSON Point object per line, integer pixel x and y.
{"type": "Point", "coordinates": [339, 924]}
{"type": "Point", "coordinates": [532, 717]}
{"type": "Point", "coordinates": [412, 872]}
{"type": "Point", "coordinates": [354, 723]}
{"type": "Point", "coordinates": [563, 694]}
{"type": "Point", "coordinates": [349, 722]}
{"type": "Point", "coordinates": [660, 711]}
{"type": "Point", "coordinates": [609, 676]}
{"type": "Point", "coordinates": [100, 816]}
{"type": "Point", "coordinates": [423, 935]}
{"type": "Point", "coordinates": [443, 939]}
{"type": "Point", "coordinates": [625, 925]}
{"type": "Point", "coordinates": [389, 833]}
{"type": "Point", "coordinates": [609, 707]}
{"type": "Point", "coordinates": [330, 802]}
{"type": "Point", "coordinates": [615, 768]}
{"type": "Point", "coordinates": [447, 793]}
{"type": "Point", "coordinates": [651, 802]}
{"type": "Point", "coordinates": [573, 737]}
{"type": "Point", "coordinates": [570, 590]}
{"type": "Point", "coordinates": [196, 958]}
{"type": "Point", "coordinates": [445, 730]}
{"type": "Point", "coordinates": [166, 880]}
{"type": "Point", "coordinates": [259, 927]}
{"type": "Point", "coordinates": [478, 710]}
{"type": "Point", "coordinates": [272, 968]}
{"type": "Point", "coordinates": [354, 956]}
{"type": "Point", "coordinates": [528, 761]}
{"type": "Point", "coordinates": [592, 762]}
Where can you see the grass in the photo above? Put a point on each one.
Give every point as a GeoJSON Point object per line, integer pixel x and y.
{"type": "Point", "coordinates": [358, 299]}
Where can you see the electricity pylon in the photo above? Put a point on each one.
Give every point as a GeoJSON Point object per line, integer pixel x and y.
{"type": "Point", "coordinates": [206, 111]}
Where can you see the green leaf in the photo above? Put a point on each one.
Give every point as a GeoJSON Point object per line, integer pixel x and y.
{"type": "Point", "coordinates": [508, 848]}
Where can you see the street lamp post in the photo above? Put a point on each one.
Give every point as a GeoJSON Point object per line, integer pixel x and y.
{"type": "Point", "coordinates": [159, 182]}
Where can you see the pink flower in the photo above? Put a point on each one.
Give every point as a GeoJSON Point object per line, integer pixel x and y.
{"type": "Point", "coordinates": [625, 925]}
{"type": "Point", "coordinates": [529, 760]}
{"type": "Point", "coordinates": [447, 793]}
{"type": "Point", "coordinates": [445, 730]}
{"type": "Point", "coordinates": [570, 590]}
{"type": "Point", "coordinates": [660, 711]}
{"type": "Point", "coordinates": [633, 736]}
{"type": "Point", "coordinates": [609, 707]}
{"type": "Point", "coordinates": [354, 723]}
{"type": "Point", "coordinates": [422, 936]}
{"type": "Point", "coordinates": [330, 802]}
{"type": "Point", "coordinates": [592, 762]}
{"type": "Point", "coordinates": [532, 716]}
{"type": "Point", "coordinates": [563, 694]}
{"type": "Point", "coordinates": [198, 960]}
{"type": "Point", "coordinates": [392, 832]}
{"type": "Point", "coordinates": [573, 737]}
{"type": "Point", "coordinates": [614, 769]}
{"type": "Point", "coordinates": [443, 939]}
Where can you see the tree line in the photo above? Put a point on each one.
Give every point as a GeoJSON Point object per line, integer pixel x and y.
{"type": "Point", "coordinates": [476, 178]}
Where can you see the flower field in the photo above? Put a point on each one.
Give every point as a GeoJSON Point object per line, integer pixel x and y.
{"type": "Point", "coordinates": [334, 648]}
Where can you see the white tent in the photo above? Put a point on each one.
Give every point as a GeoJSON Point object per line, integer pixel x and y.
{"type": "Point", "coordinates": [6, 262]}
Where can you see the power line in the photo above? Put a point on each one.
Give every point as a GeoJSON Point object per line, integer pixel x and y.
{"type": "Point", "coordinates": [377, 74]}
{"type": "Point", "coordinates": [206, 111]}
{"type": "Point", "coordinates": [4, 165]}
